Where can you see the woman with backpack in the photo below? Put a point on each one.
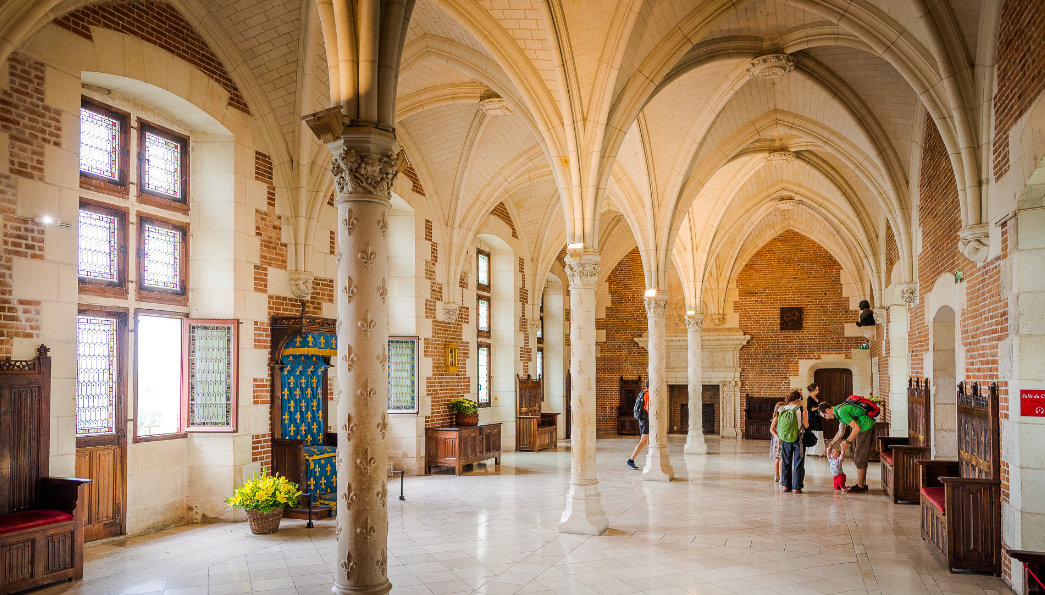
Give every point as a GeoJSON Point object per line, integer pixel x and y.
{"type": "Point", "coordinates": [788, 426]}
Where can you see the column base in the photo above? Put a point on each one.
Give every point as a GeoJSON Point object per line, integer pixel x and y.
{"type": "Point", "coordinates": [583, 514]}
{"type": "Point", "coordinates": [367, 590]}
{"type": "Point", "coordinates": [695, 444]}
{"type": "Point", "coordinates": [658, 465]}
{"type": "Point", "coordinates": [730, 433]}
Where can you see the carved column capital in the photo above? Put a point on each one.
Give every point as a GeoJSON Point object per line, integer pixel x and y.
{"type": "Point", "coordinates": [301, 284]}
{"type": "Point", "coordinates": [583, 271]}
{"type": "Point", "coordinates": [909, 294]}
{"type": "Point", "coordinates": [656, 307]}
{"type": "Point", "coordinates": [695, 322]}
{"type": "Point", "coordinates": [368, 173]}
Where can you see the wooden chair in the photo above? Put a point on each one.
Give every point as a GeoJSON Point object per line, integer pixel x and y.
{"type": "Point", "coordinates": [303, 450]}
{"type": "Point", "coordinates": [1033, 570]}
{"type": "Point", "coordinates": [534, 429]}
{"type": "Point", "coordinates": [961, 500]}
{"type": "Point", "coordinates": [41, 517]}
{"type": "Point", "coordinates": [899, 456]}
{"type": "Point", "coordinates": [627, 425]}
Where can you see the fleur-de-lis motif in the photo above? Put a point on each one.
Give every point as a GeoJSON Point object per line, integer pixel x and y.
{"type": "Point", "coordinates": [348, 565]}
{"type": "Point", "coordinates": [337, 532]}
{"type": "Point", "coordinates": [366, 392]}
{"type": "Point", "coordinates": [349, 222]}
{"type": "Point", "coordinates": [367, 531]}
{"type": "Point", "coordinates": [382, 426]}
{"type": "Point", "coordinates": [368, 257]}
{"type": "Point", "coordinates": [382, 561]}
{"type": "Point", "coordinates": [348, 497]}
{"type": "Point", "coordinates": [366, 462]}
{"type": "Point", "coordinates": [367, 325]}
{"type": "Point", "coordinates": [382, 291]}
{"type": "Point", "coordinates": [382, 495]}
{"type": "Point", "coordinates": [348, 427]}
{"type": "Point", "coordinates": [348, 357]}
{"type": "Point", "coordinates": [382, 358]}
{"type": "Point", "coordinates": [349, 289]}
{"type": "Point", "coordinates": [382, 224]}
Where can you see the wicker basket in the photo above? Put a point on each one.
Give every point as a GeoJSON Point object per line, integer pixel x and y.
{"type": "Point", "coordinates": [467, 419]}
{"type": "Point", "coordinates": [264, 523]}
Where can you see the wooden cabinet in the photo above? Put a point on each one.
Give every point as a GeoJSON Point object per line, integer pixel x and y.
{"type": "Point", "coordinates": [534, 429]}
{"type": "Point", "coordinates": [759, 417]}
{"type": "Point", "coordinates": [457, 446]}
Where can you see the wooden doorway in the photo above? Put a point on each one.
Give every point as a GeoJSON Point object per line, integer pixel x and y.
{"type": "Point", "coordinates": [101, 425]}
{"type": "Point", "coordinates": [836, 384]}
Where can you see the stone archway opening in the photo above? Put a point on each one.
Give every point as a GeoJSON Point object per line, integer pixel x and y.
{"type": "Point", "coordinates": [944, 382]}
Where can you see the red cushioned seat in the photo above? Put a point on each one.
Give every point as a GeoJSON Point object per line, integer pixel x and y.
{"type": "Point", "coordinates": [31, 519]}
{"type": "Point", "coordinates": [935, 497]}
{"type": "Point", "coordinates": [887, 456]}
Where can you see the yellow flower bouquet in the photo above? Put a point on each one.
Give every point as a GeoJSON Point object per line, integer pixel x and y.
{"type": "Point", "coordinates": [265, 493]}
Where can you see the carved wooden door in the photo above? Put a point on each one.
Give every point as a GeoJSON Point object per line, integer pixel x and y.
{"type": "Point", "coordinates": [101, 424]}
{"type": "Point", "coordinates": [836, 384]}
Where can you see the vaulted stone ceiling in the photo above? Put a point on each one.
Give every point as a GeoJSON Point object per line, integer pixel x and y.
{"type": "Point", "coordinates": [694, 120]}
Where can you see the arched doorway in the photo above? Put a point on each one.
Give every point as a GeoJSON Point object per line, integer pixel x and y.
{"type": "Point", "coordinates": [944, 383]}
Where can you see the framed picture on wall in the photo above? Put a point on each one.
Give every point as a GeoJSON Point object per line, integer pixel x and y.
{"type": "Point", "coordinates": [791, 319]}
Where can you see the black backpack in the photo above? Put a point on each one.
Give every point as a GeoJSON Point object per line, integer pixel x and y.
{"type": "Point", "coordinates": [639, 411]}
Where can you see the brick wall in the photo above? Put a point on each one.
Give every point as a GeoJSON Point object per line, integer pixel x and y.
{"type": "Point", "coordinates": [892, 252]}
{"type": "Point", "coordinates": [778, 275]}
{"type": "Point", "coordinates": [443, 386]}
{"type": "Point", "coordinates": [501, 212]}
{"type": "Point", "coordinates": [1021, 70]}
{"type": "Point", "coordinates": [161, 25]}
{"type": "Point", "coordinates": [29, 126]}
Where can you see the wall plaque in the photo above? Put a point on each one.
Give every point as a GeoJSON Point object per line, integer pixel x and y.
{"type": "Point", "coordinates": [1032, 403]}
{"type": "Point", "coordinates": [791, 319]}
{"type": "Point", "coordinates": [451, 358]}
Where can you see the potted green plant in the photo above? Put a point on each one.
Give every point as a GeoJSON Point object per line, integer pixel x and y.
{"type": "Point", "coordinates": [264, 497]}
{"type": "Point", "coordinates": [466, 412]}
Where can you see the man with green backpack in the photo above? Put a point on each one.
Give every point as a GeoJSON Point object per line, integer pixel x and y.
{"type": "Point", "coordinates": [788, 425]}
{"type": "Point", "coordinates": [858, 414]}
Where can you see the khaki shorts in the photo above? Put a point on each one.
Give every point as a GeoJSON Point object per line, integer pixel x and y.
{"type": "Point", "coordinates": [862, 448]}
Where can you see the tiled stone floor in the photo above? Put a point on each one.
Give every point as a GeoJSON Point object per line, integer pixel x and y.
{"type": "Point", "coordinates": [723, 526]}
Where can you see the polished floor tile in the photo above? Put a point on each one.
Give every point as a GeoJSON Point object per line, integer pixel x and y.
{"type": "Point", "coordinates": [722, 526]}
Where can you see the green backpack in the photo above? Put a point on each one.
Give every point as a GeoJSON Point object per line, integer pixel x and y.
{"type": "Point", "coordinates": [787, 423]}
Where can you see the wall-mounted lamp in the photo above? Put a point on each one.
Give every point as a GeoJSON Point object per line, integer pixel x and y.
{"type": "Point", "coordinates": [49, 221]}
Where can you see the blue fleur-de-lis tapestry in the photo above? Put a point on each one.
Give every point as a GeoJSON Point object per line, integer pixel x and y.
{"type": "Point", "coordinates": [303, 392]}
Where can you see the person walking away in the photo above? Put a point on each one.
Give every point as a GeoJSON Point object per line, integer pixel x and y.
{"type": "Point", "coordinates": [789, 425]}
{"type": "Point", "coordinates": [816, 423]}
{"type": "Point", "coordinates": [834, 458]}
{"type": "Point", "coordinates": [774, 445]}
{"type": "Point", "coordinates": [861, 425]}
{"type": "Point", "coordinates": [641, 413]}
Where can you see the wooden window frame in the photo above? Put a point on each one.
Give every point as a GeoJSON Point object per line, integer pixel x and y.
{"type": "Point", "coordinates": [485, 288]}
{"type": "Point", "coordinates": [484, 334]}
{"type": "Point", "coordinates": [159, 199]}
{"type": "Point", "coordinates": [417, 386]}
{"type": "Point", "coordinates": [489, 372]}
{"type": "Point", "coordinates": [138, 312]}
{"type": "Point", "coordinates": [163, 296]}
{"type": "Point", "coordinates": [90, 181]}
{"type": "Point", "coordinates": [118, 437]}
{"type": "Point", "coordinates": [97, 287]}
{"type": "Point", "coordinates": [234, 414]}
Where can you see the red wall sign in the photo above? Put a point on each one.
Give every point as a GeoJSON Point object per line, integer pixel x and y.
{"type": "Point", "coordinates": [1032, 403]}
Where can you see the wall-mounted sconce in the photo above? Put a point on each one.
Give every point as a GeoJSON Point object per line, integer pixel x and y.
{"type": "Point", "coordinates": [49, 221]}
{"type": "Point", "coordinates": [959, 276]}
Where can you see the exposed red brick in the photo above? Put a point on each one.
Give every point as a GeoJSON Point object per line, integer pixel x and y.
{"type": "Point", "coordinates": [1021, 71]}
{"type": "Point", "coordinates": [501, 212]}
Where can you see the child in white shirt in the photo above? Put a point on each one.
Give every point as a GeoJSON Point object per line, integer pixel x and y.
{"type": "Point", "coordinates": [834, 457]}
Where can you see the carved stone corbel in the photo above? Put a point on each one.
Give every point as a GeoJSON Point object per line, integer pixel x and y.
{"type": "Point", "coordinates": [451, 313]}
{"type": "Point", "coordinates": [301, 284]}
{"type": "Point", "coordinates": [974, 242]}
{"type": "Point", "coordinates": [909, 294]}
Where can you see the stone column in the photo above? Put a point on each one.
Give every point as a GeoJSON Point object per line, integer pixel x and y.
{"type": "Point", "coordinates": [695, 438]}
{"type": "Point", "coordinates": [364, 166]}
{"type": "Point", "coordinates": [658, 464]}
{"type": "Point", "coordinates": [583, 514]}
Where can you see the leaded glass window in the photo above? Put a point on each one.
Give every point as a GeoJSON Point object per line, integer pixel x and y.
{"type": "Point", "coordinates": [540, 363]}
{"type": "Point", "coordinates": [402, 375]}
{"type": "Point", "coordinates": [99, 144]}
{"type": "Point", "coordinates": [483, 270]}
{"type": "Point", "coordinates": [211, 382]}
{"type": "Point", "coordinates": [161, 258]}
{"type": "Point", "coordinates": [483, 315]}
{"type": "Point", "coordinates": [158, 388]}
{"type": "Point", "coordinates": [162, 165]}
{"type": "Point", "coordinates": [96, 374]}
{"type": "Point", "coordinates": [97, 246]}
{"type": "Point", "coordinates": [483, 367]}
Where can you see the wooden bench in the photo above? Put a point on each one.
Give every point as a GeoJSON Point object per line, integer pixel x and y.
{"type": "Point", "coordinates": [41, 518]}
{"type": "Point", "coordinates": [534, 429]}
{"type": "Point", "coordinates": [1033, 570]}
{"type": "Point", "coordinates": [961, 500]}
{"type": "Point", "coordinates": [901, 475]}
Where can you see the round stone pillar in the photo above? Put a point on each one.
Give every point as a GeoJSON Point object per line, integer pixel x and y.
{"type": "Point", "coordinates": [695, 443]}
{"type": "Point", "coordinates": [658, 464]}
{"type": "Point", "coordinates": [583, 514]}
{"type": "Point", "coordinates": [365, 165]}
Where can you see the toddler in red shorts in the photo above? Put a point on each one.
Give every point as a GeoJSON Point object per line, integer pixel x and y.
{"type": "Point", "coordinates": [834, 457]}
